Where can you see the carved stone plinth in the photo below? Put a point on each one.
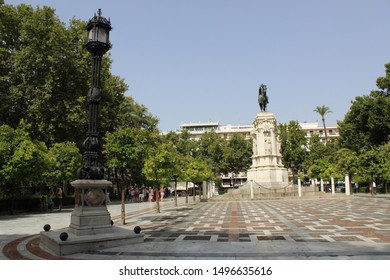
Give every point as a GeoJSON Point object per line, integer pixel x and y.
{"type": "Point", "coordinates": [267, 168]}
{"type": "Point", "coordinates": [90, 215]}
{"type": "Point", "coordinates": [90, 227]}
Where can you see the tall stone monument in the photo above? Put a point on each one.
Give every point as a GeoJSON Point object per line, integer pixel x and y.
{"type": "Point", "coordinates": [267, 169]}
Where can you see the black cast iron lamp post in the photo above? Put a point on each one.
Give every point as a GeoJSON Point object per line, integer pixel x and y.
{"type": "Point", "coordinates": [98, 44]}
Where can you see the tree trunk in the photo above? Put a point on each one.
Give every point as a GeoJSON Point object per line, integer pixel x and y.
{"type": "Point", "coordinates": [12, 201]}
{"type": "Point", "coordinates": [186, 192]}
{"type": "Point", "coordinates": [157, 190]}
{"type": "Point", "coordinates": [118, 190]}
{"type": "Point", "coordinates": [193, 193]}
{"type": "Point", "coordinates": [175, 194]}
{"type": "Point", "coordinates": [123, 210]}
{"type": "Point", "coordinates": [326, 134]}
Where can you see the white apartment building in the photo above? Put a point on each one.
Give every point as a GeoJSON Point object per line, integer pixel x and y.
{"type": "Point", "coordinates": [226, 131]}
{"type": "Point", "coordinates": [314, 128]}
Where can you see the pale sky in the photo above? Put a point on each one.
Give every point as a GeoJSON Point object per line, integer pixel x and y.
{"type": "Point", "coordinates": [203, 60]}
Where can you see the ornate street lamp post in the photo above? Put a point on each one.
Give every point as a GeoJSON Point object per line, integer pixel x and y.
{"type": "Point", "coordinates": [98, 44]}
{"type": "Point", "coordinates": [91, 226]}
{"type": "Point", "coordinates": [90, 215]}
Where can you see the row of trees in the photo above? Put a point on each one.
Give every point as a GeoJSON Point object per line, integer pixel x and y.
{"type": "Point", "coordinates": [140, 156]}
{"type": "Point", "coordinates": [45, 74]}
{"type": "Point", "coordinates": [135, 156]}
{"type": "Point", "coordinates": [363, 149]}
{"type": "Point", "coordinates": [44, 77]}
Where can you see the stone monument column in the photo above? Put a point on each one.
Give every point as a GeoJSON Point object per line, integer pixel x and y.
{"type": "Point", "coordinates": [267, 168]}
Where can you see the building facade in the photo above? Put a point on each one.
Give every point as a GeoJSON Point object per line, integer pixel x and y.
{"type": "Point", "coordinates": [226, 131]}
{"type": "Point", "coordinates": [197, 130]}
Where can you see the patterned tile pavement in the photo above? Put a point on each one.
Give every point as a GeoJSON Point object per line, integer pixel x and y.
{"type": "Point", "coordinates": [353, 227]}
{"type": "Point", "coordinates": [324, 220]}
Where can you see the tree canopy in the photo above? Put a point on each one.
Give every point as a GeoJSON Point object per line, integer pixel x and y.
{"type": "Point", "coordinates": [367, 123]}
{"type": "Point", "coordinates": [45, 75]}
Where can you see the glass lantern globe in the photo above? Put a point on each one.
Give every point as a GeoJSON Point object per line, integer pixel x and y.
{"type": "Point", "coordinates": [98, 29]}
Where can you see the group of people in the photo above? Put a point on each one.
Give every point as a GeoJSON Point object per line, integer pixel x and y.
{"type": "Point", "coordinates": [146, 194]}
{"type": "Point", "coordinates": [46, 201]}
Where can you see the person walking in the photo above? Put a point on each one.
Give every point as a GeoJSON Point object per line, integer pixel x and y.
{"type": "Point", "coordinates": [162, 193]}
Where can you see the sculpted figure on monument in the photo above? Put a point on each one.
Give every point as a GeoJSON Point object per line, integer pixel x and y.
{"type": "Point", "coordinates": [263, 99]}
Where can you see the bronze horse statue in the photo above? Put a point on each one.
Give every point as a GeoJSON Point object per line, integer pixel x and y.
{"type": "Point", "coordinates": [263, 98]}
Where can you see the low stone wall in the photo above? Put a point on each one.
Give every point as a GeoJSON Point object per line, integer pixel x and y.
{"type": "Point", "coordinates": [260, 193]}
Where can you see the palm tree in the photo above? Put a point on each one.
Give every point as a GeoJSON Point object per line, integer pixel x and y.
{"type": "Point", "coordinates": [323, 110]}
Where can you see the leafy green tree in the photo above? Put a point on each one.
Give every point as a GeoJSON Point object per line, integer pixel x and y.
{"type": "Point", "coordinates": [322, 111]}
{"type": "Point", "coordinates": [182, 140]}
{"type": "Point", "coordinates": [346, 163]}
{"type": "Point", "coordinates": [369, 163]}
{"type": "Point", "coordinates": [39, 84]}
{"type": "Point", "coordinates": [367, 123]}
{"type": "Point", "coordinates": [324, 161]}
{"type": "Point", "coordinates": [161, 166]}
{"type": "Point", "coordinates": [196, 171]}
{"type": "Point", "coordinates": [129, 114]}
{"type": "Point", "coordinates": [64, 161]}
{"type": "Point", "coordinates": [210, 149]}
{"type": "Point", "coordinates": [384, 154]}
{"type": "Point", "coordinates": [294, 144]}
{"type": "Point", "coordinates": [237, 155]}
{"type": "Point", "coordinates": [46, 73]}
{"type": "Point", "coordinates": [126, 150]}
{"type": "Point", "coordinates": [186, 148]}
{"type": "Point", "coordinates": [316, 148]}
{"type": "Point", "coordinates": [22, 161]}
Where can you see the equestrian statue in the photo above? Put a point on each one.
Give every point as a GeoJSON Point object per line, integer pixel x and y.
{"type": "Point", "coordinates": [263, 98]}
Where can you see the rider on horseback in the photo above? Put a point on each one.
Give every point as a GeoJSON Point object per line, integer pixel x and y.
{"type": "Point", "coordinates": [263, 98]}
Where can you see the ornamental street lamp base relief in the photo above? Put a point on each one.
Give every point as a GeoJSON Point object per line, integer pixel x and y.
{"type": "Point", "coordinates": [91, 227]}
{"type": "Point", "coordinates": [90, 215]}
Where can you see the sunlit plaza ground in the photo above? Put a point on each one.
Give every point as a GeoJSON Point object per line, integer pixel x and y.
{"type": "Point", "coordinates": [355, 227]}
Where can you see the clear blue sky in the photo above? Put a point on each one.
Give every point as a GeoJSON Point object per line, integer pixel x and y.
{"type": "Point", "coordinates": [203, 60]}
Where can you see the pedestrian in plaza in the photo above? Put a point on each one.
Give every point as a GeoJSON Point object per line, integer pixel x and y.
{"type": "Point", "coordinates": [50, 202]}
{"type": "Point", "coordinates": [42, 203]}
{"type": "Point", "coordinates": [60, 194]}
{"type": "Point", "coordinates": [373, 188]}
{"type": "Point", "coordinates": [162, 193]}
{"type": "Point", "coordinates": [155, 190]}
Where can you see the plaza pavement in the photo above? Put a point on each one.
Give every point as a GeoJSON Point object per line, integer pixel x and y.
{"type": "Point", "coordinates": [339, 227]}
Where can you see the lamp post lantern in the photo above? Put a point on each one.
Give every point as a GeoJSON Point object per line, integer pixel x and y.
{"type": "Point", "coordinates": [98, 44]}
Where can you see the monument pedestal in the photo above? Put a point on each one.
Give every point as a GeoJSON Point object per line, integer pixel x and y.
{"type": "Point", "coordinates": [267, 168]}
{"type": "Point", "coordinates": [90, 227]}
